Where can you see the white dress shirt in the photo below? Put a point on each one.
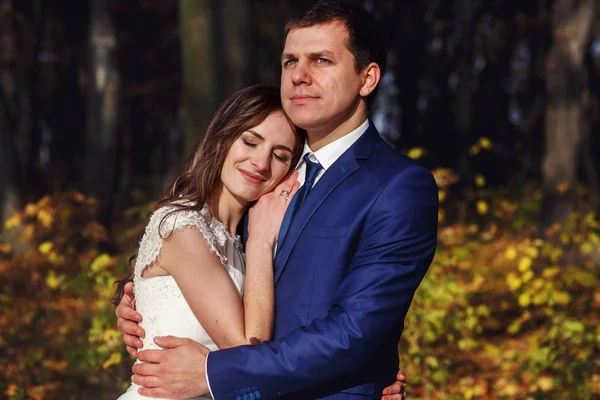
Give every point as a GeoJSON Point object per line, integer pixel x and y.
{"type": "Point", "coordinates": [329, 154]}
{"type": "Point", "coordinates": [326, 156]}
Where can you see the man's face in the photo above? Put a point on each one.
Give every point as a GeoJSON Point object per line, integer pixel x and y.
{"type": "Point", "coordinates": [319, 84]}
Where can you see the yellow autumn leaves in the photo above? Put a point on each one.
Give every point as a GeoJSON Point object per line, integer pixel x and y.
{"type": "Point", "coordinates": [60, 281]}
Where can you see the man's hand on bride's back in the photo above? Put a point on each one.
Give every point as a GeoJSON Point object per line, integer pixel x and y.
{"type": "Point", "coordinates": [127, 321]}
{"type": "Point", "coordinates": [266, 214]}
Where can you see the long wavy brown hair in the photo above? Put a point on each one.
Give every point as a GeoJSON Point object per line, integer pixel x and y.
{"type": "Point", "coordinates": [201, 178]}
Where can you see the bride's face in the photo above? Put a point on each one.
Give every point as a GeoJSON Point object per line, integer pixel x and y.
{"type": "Point", "coordinates": [259, 158]}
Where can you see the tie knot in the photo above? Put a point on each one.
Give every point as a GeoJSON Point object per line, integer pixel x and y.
{"type": "Point", "coordinates": [312, 168]}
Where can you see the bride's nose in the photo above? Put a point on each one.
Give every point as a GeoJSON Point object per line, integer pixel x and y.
{"type": "Point", "coordinates": [261, 162]}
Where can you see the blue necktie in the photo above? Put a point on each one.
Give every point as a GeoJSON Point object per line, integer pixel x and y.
{"type": "Point", "coordinates": [312, 169]}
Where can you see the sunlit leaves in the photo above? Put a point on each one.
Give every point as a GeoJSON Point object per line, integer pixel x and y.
{"type": "Point", "coordinates": [56, 298]}
{"type": "Point", "coordinates": [479, 181]}
{"type": "Point", "coordinates": [101, 262]}
{"type": "Point", "coordinates": [482, 207]}
{"type": "Point", "coordinates": [444, 177]}
{"type": "Point", "coordinates": [114, 359]}
{"type": "Point", "coordinates": [416, 153]}
{"type": "Point", "coordinates": [12, 222]}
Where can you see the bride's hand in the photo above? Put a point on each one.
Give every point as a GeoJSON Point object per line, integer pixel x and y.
{"type": "Point", "coordinates": [266, 214]}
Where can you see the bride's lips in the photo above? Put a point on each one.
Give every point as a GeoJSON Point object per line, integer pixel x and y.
{"type": "Point", "coordinates": [252, 178]}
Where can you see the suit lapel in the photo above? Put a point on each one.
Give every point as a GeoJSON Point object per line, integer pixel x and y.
{"type": "Point", "coordinates": [343, 167]}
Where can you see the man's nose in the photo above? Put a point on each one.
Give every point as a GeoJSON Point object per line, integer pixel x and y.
{"type": "Point", "coordinates": [301, 74]}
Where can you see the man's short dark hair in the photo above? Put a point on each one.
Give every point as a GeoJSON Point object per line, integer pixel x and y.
{"type": "Point", "coordinates": [364, 39]}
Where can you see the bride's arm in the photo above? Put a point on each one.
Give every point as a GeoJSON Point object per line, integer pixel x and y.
{"type": "Point", "coordinates": [263, 228]}
{"type": "Point", "coordinates": [211, 294]}
{"type": "Point", "coordinates": [209, 290]}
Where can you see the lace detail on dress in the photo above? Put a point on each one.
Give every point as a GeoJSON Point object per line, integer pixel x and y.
{"type": "Point", "coordinates": [159, 300]}
{"type": "Point", "coordinates": [169, 219]}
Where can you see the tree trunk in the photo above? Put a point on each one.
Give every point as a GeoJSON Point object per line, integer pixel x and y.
{"type": "Point", "coordinates": [233, 46]}
{"type": "Point", "coordinates": [102, 114]}
{"type": "Point", "coordinates": [464, 107]}
{"type": "Point", "coordinates": [198, 102]}
{"type": "Point", "coordinates": [9, 195]}
{"type": "Point", "coordinates": [410, 43]}
{"type": "Point", "coordinates": [571, 22]}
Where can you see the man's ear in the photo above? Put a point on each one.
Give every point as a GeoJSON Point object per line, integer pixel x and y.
{"type": "Point", "coordinates": [371, 76]}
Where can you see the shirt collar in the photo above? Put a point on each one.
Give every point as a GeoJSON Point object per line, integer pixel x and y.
{"type": "Point", "coordinates": [327, 155]}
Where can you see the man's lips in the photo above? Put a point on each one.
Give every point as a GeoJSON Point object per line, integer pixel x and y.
{"type": "Point", "coordinates": [302, 98]}
{"type": "Point", "coordinates": [252, 178]}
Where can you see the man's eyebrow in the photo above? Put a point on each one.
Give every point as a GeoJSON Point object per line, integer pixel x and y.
{"type": "Point", "coordinates": [314, 54]}
{"type": "Point", "coordinates": [317, 54]}
{"type": "Point", "coordinates": [287, 56]}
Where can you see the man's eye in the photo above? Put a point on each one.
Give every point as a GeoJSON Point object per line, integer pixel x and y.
{"type": "Point", "coordinates": [322, 60]}
{"type": "Point", "coordinates": [289, 62]}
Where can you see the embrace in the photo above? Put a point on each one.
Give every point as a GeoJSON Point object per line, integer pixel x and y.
{"type": "Point", "coordinates": [336, 232]}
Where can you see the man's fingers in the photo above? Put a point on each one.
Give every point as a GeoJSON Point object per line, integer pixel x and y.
{"type": "Point", "coordinates": [132, 351]}
{"type": "Point", "coordinates": [132, 341]}
{"type": "Point", "coordinates": [393, 389]}
{"type": "Point", "coordinates": [129, 289]}
{"type": "Point", "coordinates": [146, 381]}
{"type": "Point", "coordinates": [392, 397]}
{"type": "Point", "coordinates": [156, 392]}
{"type": "Point", "coordinates": [170, 342]}
{"type": "Point", "coordinates": [147, 369]}
{"type": "Point", "coordinates": [152, 356]}
{"type": "Point", "coordinates": [131, 328]}
{"type": "Point", "coordinates": [400, 376]}
{"type": "Point", "coordinates": [128, 313]}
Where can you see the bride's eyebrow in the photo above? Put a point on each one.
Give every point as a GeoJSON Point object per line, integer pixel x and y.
{"type": "Point", "coordinates": [259, 136]}
{"type": "Point", "coordinates": [279, 146]}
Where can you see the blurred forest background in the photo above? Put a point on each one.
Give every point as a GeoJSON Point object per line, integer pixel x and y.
{"type": "Point", "coordinates": [102, 100]}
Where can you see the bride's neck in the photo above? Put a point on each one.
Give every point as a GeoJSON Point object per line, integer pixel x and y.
{"type": "Point", "coordinates": [228, 210]}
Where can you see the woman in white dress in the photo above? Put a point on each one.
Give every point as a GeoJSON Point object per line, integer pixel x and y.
{"type": "Point", "coordinates": [190, 276]}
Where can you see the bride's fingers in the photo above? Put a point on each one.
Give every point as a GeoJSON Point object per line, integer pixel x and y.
{"type": "Point", "coordinates": [287, 182]}
{"type": "Point", "coordinates": [295, 188]}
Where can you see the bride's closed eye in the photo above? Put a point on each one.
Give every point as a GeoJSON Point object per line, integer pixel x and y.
{"type": "Point", "coordinates": [281, 158]}
{"type": "Point", "coordinates": [249, 143]}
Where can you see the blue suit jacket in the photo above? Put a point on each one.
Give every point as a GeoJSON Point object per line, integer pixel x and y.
{"type": "Point", "coordinates": [345, 276]}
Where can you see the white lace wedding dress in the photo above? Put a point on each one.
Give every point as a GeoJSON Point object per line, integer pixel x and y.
{"type": "Point", "coordinates": [159, 300]}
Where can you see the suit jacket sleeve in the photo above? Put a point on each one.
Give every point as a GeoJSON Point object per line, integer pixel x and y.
{"type": "Point", "coordinates": [395, 250]}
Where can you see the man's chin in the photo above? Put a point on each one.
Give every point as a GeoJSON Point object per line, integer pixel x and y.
{"type": "Point", "coordinates": [306, 120]}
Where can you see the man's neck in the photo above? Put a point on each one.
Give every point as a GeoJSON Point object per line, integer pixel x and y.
{"type": "Point", "coordinates": [319, 138]}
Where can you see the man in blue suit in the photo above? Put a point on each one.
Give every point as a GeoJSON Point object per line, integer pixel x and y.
{"type": "Point", "coordinates": [351, 254]}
